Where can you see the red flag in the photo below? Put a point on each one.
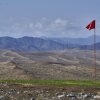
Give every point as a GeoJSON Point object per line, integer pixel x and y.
{"type": "Point", "coordinates": [91, 25]}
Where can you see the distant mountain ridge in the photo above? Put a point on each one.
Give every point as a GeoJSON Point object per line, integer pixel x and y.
{"type": "Point", "coordinates": [29, 44]}
{"type": "Point", "coordinates": [79, 41]}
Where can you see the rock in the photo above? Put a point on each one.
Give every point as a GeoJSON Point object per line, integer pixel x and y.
{"type": "Point", "coordinates": [61, 96]}
{"type": "Point", "coordinates": [2, 97]}
{"type": "Point", "coordinates": [32, 98]}
{"type": "Point", "coordinates": [97, 97]}
{"type": "Point", "coordinates": [71, 95]}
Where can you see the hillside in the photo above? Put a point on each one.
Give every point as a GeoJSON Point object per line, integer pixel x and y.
{"type": "Point", "coordinates": [69, 64]}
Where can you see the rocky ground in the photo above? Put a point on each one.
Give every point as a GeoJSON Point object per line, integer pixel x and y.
{"type": "Point", "coordinates": [34, 92]}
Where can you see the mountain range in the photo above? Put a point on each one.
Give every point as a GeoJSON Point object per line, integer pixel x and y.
{"type": "Point", "coordinates": [29, 44]}
{"type": "Point", "coordinates": [79, 41]}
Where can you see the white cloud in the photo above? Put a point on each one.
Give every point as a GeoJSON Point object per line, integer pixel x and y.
{"type": "Point", "coordinates": [57, 25]}
{"type": "Point", "coordinates": [31, 25]}
{"type": "Point", "coordinates": [60, 22]}
{"type": "Point", "coordinates": [43, 27]}
{"type": "Point", "coordinates": [39, 25]}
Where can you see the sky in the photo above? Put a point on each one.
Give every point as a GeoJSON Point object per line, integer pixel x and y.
{"type": "Point", "coordinates": [48, 18]}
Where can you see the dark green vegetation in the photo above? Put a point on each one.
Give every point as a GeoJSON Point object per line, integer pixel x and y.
{"type": "Point", "coordinates": [93, 83]}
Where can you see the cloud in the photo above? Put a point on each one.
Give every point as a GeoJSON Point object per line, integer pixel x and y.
{"type": "Point", "coordinates": [43, 27]}
{"type": "Point", "coordinates": [38, 25]}
{"type": "Point", "coordinates": [57, 25]}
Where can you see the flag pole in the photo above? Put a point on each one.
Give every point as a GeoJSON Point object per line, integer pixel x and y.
{"type": "Point", "coordinates": [94, 53]}
{"type": "Point", "coordinates": [92, 26]}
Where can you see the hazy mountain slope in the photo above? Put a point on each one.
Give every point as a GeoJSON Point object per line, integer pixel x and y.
{"type": "Point", "coordinates": [29, 44]}
{"type": "Point", "coordinates": [80, 41]}
{"type": "Point", "coordinates": [90, 47]}
{"type": "Point", "coordinates": [32, 44]}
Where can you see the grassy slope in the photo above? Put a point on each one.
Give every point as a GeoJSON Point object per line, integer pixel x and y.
{"type": "Point", "coordinates": [86, 83]}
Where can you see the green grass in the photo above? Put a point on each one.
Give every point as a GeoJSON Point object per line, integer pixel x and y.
{"type": "Point", "coordinates": [56, 82]}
